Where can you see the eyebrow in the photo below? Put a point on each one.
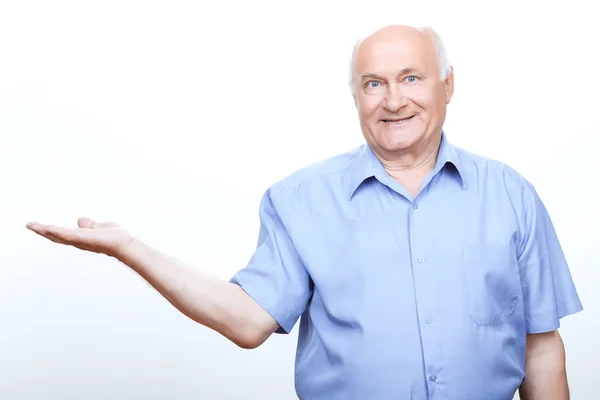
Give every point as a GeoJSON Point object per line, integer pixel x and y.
{"type": "Point", "coordinates": [407, 70]}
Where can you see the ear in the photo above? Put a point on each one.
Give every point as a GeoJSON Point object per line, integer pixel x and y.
{"type": "Point", "coordinates": [449, 85]}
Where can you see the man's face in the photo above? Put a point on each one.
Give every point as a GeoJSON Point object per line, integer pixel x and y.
{"type": "Point", "coordinates": [400, 97]}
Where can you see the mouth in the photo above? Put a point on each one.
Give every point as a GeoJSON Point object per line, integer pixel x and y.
{"type": "Point", "coordinates": [397, 121]}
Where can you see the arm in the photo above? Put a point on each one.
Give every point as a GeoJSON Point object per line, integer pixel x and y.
{"type": "Point", "coordinates": [545, 370]}
{"type": "Point", "coordinates": [216, 304]}
{"type": "Point", "coordinates": [549, 294]}
{"type": "Point", "coordinates": [219, 305]}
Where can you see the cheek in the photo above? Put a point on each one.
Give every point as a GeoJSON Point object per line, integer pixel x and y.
{"type": "Point", "coordinates": [427, 100]}
{"type": "Point", "coordinates": [421, 97]}
{"type": "Point", "coordinates": [368, 106]}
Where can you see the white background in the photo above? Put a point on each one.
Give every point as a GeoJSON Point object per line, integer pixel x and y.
{"type": "Point", "coordinates": [172, 118]}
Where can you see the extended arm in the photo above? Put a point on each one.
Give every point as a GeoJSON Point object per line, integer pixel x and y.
{"type": "Point", "coordinates": [214, 303]}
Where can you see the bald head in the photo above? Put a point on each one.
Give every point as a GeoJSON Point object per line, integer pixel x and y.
{"type": "Point", "coordinates": [423, 40]}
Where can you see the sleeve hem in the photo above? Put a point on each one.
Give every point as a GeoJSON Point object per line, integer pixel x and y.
{"type": "Point", "coordinates": [279, 313]}
{"type": "Point", "coordinates": [549, 323]}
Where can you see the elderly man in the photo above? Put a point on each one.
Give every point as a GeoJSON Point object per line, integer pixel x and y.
{"type": "Point", "coordinates": [419, 270]}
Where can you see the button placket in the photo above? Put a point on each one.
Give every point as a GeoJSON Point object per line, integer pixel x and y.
{"type": "Point", "coordinates": [422, 279]}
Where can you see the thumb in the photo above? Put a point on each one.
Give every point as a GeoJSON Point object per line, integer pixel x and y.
{"type": "Point", "coordinates": [85, 222]}
{"type": "Point", "coordinates": [89, 223]}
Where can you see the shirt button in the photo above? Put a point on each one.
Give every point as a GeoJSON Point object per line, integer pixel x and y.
{"type": "Point", "coordinates": [433, 378]}
{"type": "Point", "coordinates": [428, 320]}
{"type": "Point", "coordinates": [421, 259]}
{"type": "Point", "coordinates": [415, 206]}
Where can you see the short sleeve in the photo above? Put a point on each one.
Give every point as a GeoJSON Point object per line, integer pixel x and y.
{"type": "Point", "coordinates": [548, 289]}
{"type": "Point", "coordinates": [275, 276]}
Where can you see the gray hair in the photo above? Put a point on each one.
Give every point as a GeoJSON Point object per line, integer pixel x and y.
{"type": "Point", "coordinates": [440, 50]}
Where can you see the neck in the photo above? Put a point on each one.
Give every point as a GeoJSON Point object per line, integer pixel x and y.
{"type": "Point", "coordinates": [419, 160]}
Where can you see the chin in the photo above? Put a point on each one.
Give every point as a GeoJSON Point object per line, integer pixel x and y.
{"type": "Point", "coordinates": [393, 142]}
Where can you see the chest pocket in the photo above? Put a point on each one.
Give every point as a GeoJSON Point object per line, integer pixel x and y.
{"type": "Point", "coordinates": [492, 283]}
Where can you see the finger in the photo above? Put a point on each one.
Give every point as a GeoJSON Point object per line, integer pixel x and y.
{"type": "Point", "coordinates": [55, 239]}
{"type": "Point", "coordinates": [60, 233]}
{"type": "Point", "coordinates": [85, 222]}
{"type": "Point", "coordinates": [89, 223]}
{"type": "Point", "coordinates": [80, 238]}
{"type": "Point", "coordinates": [44, 231]}
{"type": "Point", "coordinates": [35, 226]}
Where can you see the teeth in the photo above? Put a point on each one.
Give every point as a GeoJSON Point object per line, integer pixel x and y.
{"type": "Point", "coordinates": [397, 122]}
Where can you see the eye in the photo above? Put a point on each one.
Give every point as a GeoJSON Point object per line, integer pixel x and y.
{"type": "Point", "coordinates": [373, 84]}
{"type": "Point", "coordinates": [411, 79]}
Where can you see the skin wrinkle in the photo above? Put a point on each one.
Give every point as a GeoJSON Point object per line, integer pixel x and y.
{"type": "Point", "coordinates": [401, 65]}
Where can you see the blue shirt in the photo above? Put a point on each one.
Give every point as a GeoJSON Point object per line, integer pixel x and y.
{"type": "Point", "coordinates": [428, 297]}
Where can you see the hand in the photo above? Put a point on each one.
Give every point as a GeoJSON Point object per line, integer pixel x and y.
{"type": "Point", "coordinates": [105, 238]}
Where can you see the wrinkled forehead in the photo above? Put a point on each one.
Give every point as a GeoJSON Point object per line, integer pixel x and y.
{"type": "Point", "coordinates": [389, 56]}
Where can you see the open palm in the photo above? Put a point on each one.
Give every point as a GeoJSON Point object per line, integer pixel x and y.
{"type": "Point", "coordinates": [107, 238]}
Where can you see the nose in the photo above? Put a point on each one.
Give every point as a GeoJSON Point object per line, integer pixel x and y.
{"type": "Point", "coordinates": [394, 100]}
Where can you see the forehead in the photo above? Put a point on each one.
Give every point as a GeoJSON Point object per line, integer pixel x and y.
{"type": "Point", "coordinates": [389, 55]}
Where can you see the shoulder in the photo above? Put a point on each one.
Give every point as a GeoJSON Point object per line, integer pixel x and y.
{"type": "Point", "coordinates": [322, 172]}
{"type": "Point", "coordinates": [487, 171]}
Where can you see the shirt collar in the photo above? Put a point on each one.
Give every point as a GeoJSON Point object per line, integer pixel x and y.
{"type": "Point", "coordinates": [367, 165]}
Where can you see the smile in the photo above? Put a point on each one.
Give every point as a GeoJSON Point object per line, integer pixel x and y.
{"type": "Point", "coordinates": [397, 120]}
